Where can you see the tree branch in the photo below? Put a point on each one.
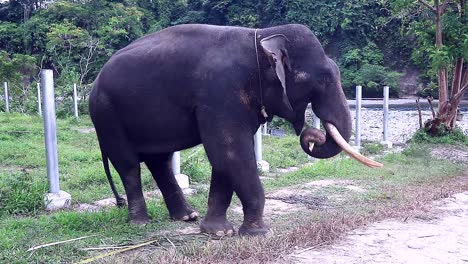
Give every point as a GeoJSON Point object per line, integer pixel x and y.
{"type": "Point", "coordinates": [426, 4]}
{"type": "Point", "coordinates": [444, 5]}
{"type": "Point", "coordinates": [461, 92]}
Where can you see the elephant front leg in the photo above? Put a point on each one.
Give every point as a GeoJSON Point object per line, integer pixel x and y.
{"type": "Point", "coordinates": [248, 188]}
{"type": "Point", "coordinates": [241, 174]}
{"type": "Point", "coordinates": [215, 221]}
{"type": "Point", "coordinates": [234, 170]}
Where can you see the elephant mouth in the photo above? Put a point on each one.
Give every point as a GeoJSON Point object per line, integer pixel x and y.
{"type": "Point", "coordinates": [317, 138]}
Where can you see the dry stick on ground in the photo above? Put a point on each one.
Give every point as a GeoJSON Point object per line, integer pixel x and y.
{"type": "Point", "coordinates": [419, 112]}
{"type": "Point", "coordinates": [57, 243]}
{"type": "Point", "coordinates": [104, 248]}
{"type": "Point", "coordinates": [429, 99]}
{"type": "Point", "coordinates": [117, 251]}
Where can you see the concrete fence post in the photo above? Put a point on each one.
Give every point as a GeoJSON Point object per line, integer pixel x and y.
{"type": "Point", "coordinates": [39, 101]}
{"type": "Point", "coordinates": [261, 164]}
{"type": "Point", "coordinates": [315, 124]}
{"type": "Point", "coordinates": [386, 131]}
{"type": "Point", "coordinates": [75, 101]}
{"type": "Point", "coordinates": [265, 129]}
{"type": "Point", "coordinates": [182, 179]}
{"type": "Point", "coordinates": [56, 198]}
{"type": "Point", "coordinates": [358, 117]}
{"type": "Point", "coordinates": [7, 99]}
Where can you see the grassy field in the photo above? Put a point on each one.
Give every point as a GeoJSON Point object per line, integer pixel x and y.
{"type": "Point", "coordinates": [23, 182]}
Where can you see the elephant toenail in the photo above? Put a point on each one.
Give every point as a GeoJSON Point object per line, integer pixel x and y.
{"type": "Point", "coordinates": [185, 218]}
{"type": "Point", "coordinates": [230, 233]}
{"type": "Point", "coordinates": [220, 233]}
{"type": "Point", "coordinates": [194, 215]}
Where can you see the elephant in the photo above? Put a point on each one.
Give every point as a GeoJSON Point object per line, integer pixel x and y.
{"type": "Point", "coordinates": [214, 85]}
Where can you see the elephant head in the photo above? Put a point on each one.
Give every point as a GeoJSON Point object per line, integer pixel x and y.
{"type": "Point", "coordinates": [300, 73]}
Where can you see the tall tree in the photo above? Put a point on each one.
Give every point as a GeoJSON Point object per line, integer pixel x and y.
{"type": "Point", "coordinates": [448, 52]}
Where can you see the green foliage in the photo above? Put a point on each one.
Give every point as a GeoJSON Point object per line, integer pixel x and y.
{"type": "Point", "coordinates": [371, 148]}
{"type": "Point", "coordinates": [19, 70]}
{"type": "Point", "coordinates": [195, 163]}
{"type": "Point", "coordinates": [76, 38]}
{"type": "Point", "coordinates": [283, 152]}
{"type": "Point", "coordinates": [422, 27]}
{"type": "Point", "coordinates": [445, 136]}
{"type": "Point", "coordinates": [21, 194]}
{"type": "Point", "coordinates": [280, 123]}
{"type": "Point", "coordinates": [364, 67]}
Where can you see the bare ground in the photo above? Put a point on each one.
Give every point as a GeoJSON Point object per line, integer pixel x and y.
{"type": "Point", "coordinates": [440, 237]}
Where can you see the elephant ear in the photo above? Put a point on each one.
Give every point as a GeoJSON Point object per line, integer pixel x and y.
{"type": "Point", "coordinates": [275, 48]}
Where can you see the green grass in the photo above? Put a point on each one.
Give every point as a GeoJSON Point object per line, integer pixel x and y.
{"type": "Point", "coordinates": [23, 179]}
{"type": "Point", "coordinates": [446, 137]}
{"type": "Point", "coordinates": [283, 152]}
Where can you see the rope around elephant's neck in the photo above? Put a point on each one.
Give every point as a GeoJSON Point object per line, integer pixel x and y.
{"type": "Point", "coordinates": [263, 110]}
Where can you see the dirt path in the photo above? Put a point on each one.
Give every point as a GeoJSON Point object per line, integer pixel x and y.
{"type": "Point", "coordinates": [442, 237]}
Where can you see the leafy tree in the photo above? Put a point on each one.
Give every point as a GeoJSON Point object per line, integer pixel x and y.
{"type": "Point", "coordinates": [19, 70]}
{"type": "Point", "coordinates": [364, 67]}
{"type": "Point", "coordinates": [442, 35]}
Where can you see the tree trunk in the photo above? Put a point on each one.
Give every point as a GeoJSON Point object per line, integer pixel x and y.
{"type": "Point", "coordinates": [456, 85]}
{"type": "Point", "coordinates": [442, 77]}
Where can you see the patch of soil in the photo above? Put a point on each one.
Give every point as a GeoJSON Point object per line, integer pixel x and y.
{"type": "Point", "coordinates": [440, 238]}
{"type": "Point", "coordinates": [452, 153]}
{"type": "Point", "coordinates": [308, 201]}
{"type": "Point", "coordinates": [86, 130]}
{"type": "Point", "coordinates": [314, 195]}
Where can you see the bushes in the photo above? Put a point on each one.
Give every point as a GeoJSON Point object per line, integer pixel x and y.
{"type": "Point", "coordinates": [364, 67]}
{"type": "Point", "coordinates": [445, 136]}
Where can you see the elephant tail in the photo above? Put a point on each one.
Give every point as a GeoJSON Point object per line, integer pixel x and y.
{"type": "Point", "coordinates": [105, 161]}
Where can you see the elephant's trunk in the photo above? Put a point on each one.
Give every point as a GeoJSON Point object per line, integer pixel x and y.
{"type": "Point", "coordinates": [321, 146]}
{"type": "Point", "coordinates": [335, 113]}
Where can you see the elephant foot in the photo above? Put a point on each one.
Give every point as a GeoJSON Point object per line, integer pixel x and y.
{"type": "Point", "coordinates": [120, 202]}
{"type": "Point", "coordinates": [254, 229]}
{"type": "Point", "coordinates": [140, 220]}
{"type": "Point", "coordinates": [219, 227]}
{"type": "Point", "coordinates": [187, 214]}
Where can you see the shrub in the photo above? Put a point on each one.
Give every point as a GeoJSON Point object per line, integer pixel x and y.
{"type": "Point", "coordinates": [445, 136]}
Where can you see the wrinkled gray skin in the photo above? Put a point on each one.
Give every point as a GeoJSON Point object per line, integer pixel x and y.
{"type": "Point", "coordinates": [199, 84]}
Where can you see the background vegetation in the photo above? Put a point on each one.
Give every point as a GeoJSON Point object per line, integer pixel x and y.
{"type": "Point", "coordinates": [372, 43]}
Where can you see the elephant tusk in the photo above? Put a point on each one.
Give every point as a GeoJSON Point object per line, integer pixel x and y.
{"type": "Point", "coordinates": [311, 146]}
{"type": "Point", "coordinates": [335, 134]}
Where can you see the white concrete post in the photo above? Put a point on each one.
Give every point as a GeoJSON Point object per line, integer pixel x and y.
{"type": "Point", "coordinates": [182, 179]}
{"type": "Point", "coordinates": [315, 124]}
{"type": "Point", "coordinates": [55, 199]}
{"type": "Point", "coordinates": [39, 101]}
{"type": "Point", "coordinates": [258, 146]}
{"type": "Point", "coordinates": [75, 100]}
{"type": "Point", "coordinates": [265, 129]}
{"type": "Point", "coordinates": [261, 164]}
{"type": "Point", "coordinates": [7, 99]}
{"type": "Point", "coordinates": [358, 116]}
{"type": "Point", "coordinates": [176, 163]}
{"type": "Point", "coordinates": [385, 117]}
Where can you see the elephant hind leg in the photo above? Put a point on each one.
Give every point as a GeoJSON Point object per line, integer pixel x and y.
{"type": "Point", "coordinates": [161, 169]}
{"type": "Point", "coordinates": [120, 152]}
{"type": "Point", "coordinates": [136, 202]}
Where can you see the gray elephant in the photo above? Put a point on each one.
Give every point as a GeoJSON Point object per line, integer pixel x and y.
{"type": "Point", "coordinates": [213, 85]}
